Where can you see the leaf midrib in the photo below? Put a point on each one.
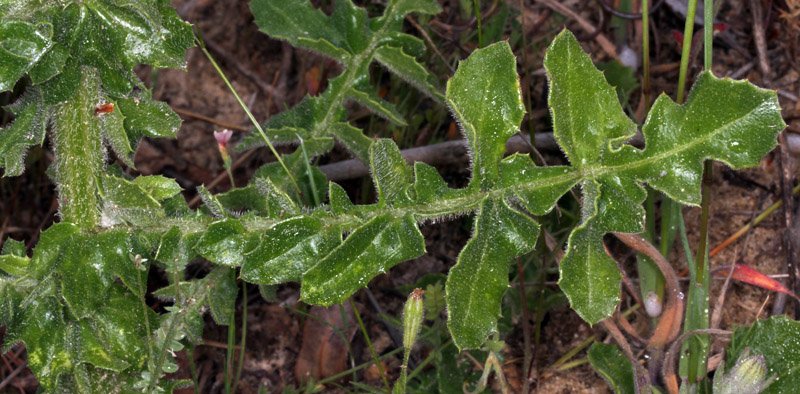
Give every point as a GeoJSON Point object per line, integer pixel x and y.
{"type": "Point", "coordinates": [601, 170]}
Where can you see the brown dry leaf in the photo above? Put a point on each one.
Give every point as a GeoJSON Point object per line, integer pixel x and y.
{"type": "Point", "coordinates": [326, 336]}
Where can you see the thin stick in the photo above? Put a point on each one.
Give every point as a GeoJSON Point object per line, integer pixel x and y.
{"type": "Point", "coordinates": [608, 47]}
{"type": "Point", "coordinates": [216, 122]}
{"type": "Point", "coordinates": [642, 380]}
{"type": "Point", "coordinates": [744, 229]}
{"type": "Point", "coordinates": [759, 38]}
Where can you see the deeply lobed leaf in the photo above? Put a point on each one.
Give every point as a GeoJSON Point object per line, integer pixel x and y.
{"type": "Point", "coordinates": [349, 36]}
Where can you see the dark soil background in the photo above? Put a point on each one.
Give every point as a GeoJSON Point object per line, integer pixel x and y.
{"type": "Point", "coordinates": [271, 75]}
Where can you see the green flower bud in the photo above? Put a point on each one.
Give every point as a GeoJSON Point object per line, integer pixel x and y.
{"type": "Point", "coordinates": [748, 376]}
{"type": "Point", "coordinates": [413, 315]}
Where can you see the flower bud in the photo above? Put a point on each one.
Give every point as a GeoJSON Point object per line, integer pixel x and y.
{"type": "Point", "coordinates": [413, 315]}
{"type": "Point", "coordinates": [749, 375]}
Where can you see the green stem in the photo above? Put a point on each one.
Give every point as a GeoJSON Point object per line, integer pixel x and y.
{"type": "Point", "coordinates": [646, 53]}
{"type": "Point", "coordinates": [309, 173]}
{"type": "Point", "coordinates": [243, 344]}
{"type": "Point", "coordinates": [372, 351]}
{"type": "Point", "coordinates": [688, 32]}
{"type": "Point", "coordinates": [249, 114]}
{"type": "Point", "coordinates": [698, 300]}
{"type": "Point", "coordinates": [708, 33]}
{"type": "Point", "coordinates": [229, 355]}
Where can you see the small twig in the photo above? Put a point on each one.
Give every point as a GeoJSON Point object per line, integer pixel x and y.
{"type": "Point", "coordinates": [255, 78]}
{"type": "Point", "coordinates": [216, 122]}
{"type": "Point", "coordinates": [430, 42]}
{"type": "Point", "coordinates": [744, 229]}
{"type": "Point", "coordinates": [759, 38]}
{"type": "Point", "coordinates": [642, 380]}
{"type": "Point", "coordinates": [608, 47]}
{"type": "Point", "coordinates": [628, 15]}
{"type": "Point", "coordinates": [450, 152]}
{"type": "Point", "coordinates": [12, 375]}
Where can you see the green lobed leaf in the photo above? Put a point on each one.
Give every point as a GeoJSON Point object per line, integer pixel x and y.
{"type": "Point", "coordinates": [244, 200]}
{"type": "Point", "coordinates": [352, 23]}
{"type": "Point", "coordinates": [590, 126]}
{"type": "Point", "coordinates": [484, 95]}
{"type": "Point", "coordinates": [353, 139]}
{"type": "Point", "coordinates": [338, 199]}
{"type": "Point", "coordinates": [22, 44]}
{"type": "Point", "coordinates": [278, 202]}
{"type": "Point", "coordinates": [116, 137]}
{"type": "Point", "coordinates": [391, 175]}
{"type": "Point", "coordinates": [368, 251]}
{"type": "Point", "coordinates": [776, 339]}
{"type": "Point", "coordinates": [114, 338]}
{"type": "Point", "coordinates": [28, 130]}
{"type": "Point", "coordinates": [351, 37]}
{"type": "Point", "coordinates": [157, 186]}
{"type": "Point", "coordinates": [588, 121]}
{"type": "Point", "coordinates": [49, 342]}
{"type": "Point", "coordinates": [613, 366]}
{"type": "Point", "coordinates": [588, 276]}
{"type": "Point", "coordinates": [287, 250]}
{"type": "Point", "coordinates": [302, 25]}
{"type": "Point", "coordinates": [222, 243]}
{"type": "Point", "coordinates": [406, 67]}
{"type": "Point", "coordinates": [679, 138]}
{"type": "Point", "coordinates": [147, 118]}
{"type": "Point", "coordinates": [222, 296]}
{"type": "Point", "coordinates": [88, 266]}
{"type": "Point", "coordinates": [124, 202]}
{"type": "Point", "coordinates": [174, 250]}
{"type": "Point", "coordinates": [403, 7]}
{"type": "Point", "coordinates": [410, 44]}
{"type": "Point", "coordinates": [366, 96]}
{"type": "Point", "coordinates": [476, 284]}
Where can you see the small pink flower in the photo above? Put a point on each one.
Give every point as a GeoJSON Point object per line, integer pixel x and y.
{"type": "Point", "coordinates": [223, 137]}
